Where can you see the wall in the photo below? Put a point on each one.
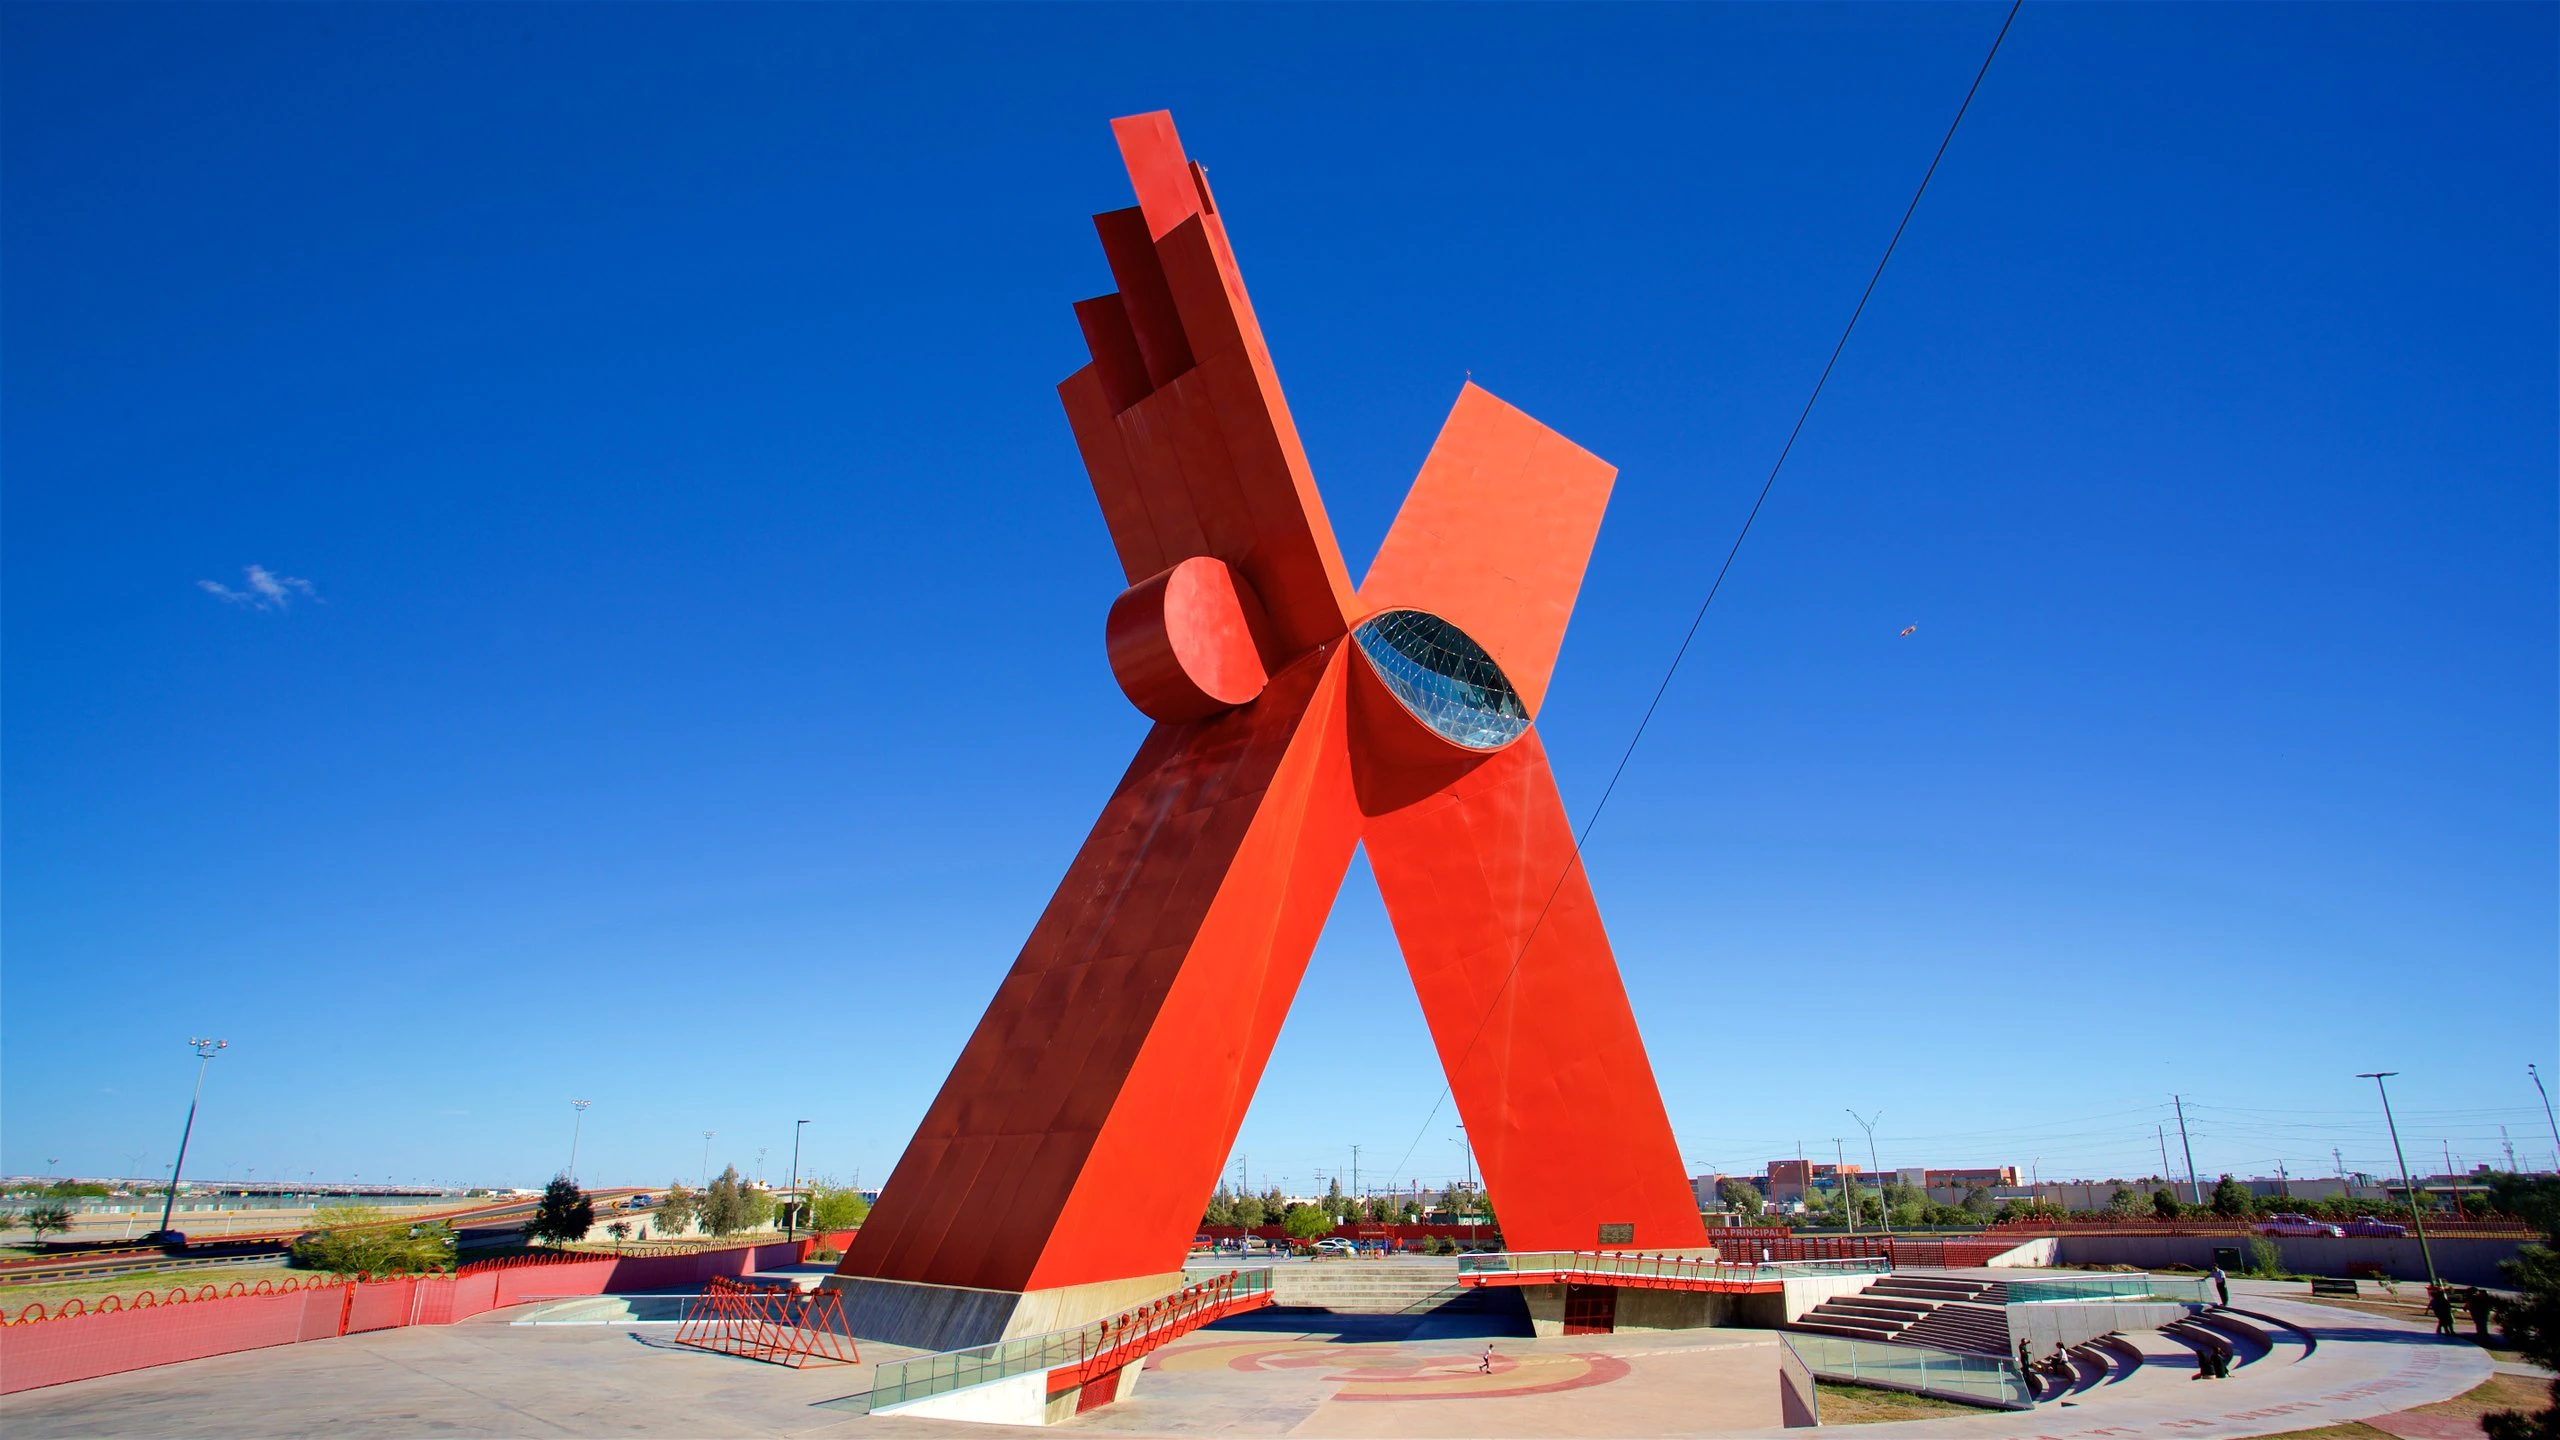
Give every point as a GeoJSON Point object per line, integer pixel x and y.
{"type": "Point", "coordinates": [2461, 1260]}
{"type": "Point", "coordinates": [2046, 1324]}
{"type": "Point", "coordinates": [82, 1346]}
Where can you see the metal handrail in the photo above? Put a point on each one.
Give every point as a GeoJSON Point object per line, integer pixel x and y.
{"type": "Point", "coordinates": [1663, 1267]}
{"type": "Point", "coordinates": [1114, 1341]}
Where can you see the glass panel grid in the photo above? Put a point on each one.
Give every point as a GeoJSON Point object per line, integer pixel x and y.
{"type": "Point", "coordinates": [1444, 678]}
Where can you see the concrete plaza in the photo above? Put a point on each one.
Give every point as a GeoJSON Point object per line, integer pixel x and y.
{"type": "Point", "coordinates": [1279, 1373]}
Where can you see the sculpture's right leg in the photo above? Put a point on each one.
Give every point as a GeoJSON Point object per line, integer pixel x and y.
{"type": "Point", "coordinates": [1060, 1174]}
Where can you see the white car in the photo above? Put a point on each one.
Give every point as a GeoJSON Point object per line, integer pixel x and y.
{"type": "Point", "coordinates": [1335, 1246]}
{"type": "Point", "coordinates": [2295, 1225]}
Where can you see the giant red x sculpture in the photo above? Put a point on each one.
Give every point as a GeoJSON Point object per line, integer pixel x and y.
{"type": "Point", "coordinates": [1071, 1150]}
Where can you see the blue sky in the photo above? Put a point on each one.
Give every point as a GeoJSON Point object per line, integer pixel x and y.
{"type": "Point", "coordinates": [699, 684]}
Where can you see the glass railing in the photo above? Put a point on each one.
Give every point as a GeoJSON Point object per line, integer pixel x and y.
{"type": "Point", "coordinates": [1661, 1267]}
{"type": "Point", "coordinates": [899, 1382]}
{"type": "Point", "coordinates": [2188, 1289]}
{"type": "Point", "coordinates": [1973, 1379]}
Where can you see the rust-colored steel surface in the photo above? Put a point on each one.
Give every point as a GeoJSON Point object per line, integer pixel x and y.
{"type": "Point", "coordinates": [1298, 718]}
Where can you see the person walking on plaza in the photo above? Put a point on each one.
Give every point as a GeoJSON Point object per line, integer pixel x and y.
{"type": "Point", "coordinates": [1485, 1366]}
{"type": "Point", "coordinates": [2481, 1306]}
{"type": "Point", "coordinates": [2440, 1301]}
{"type": "Point", "coordinates": [2222, 1286]}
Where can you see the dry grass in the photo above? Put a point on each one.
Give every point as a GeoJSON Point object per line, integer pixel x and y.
{"type": "Point", "coordinates": [2502, 1392]}
{"type": "Point", "coordinates": [53, 1293]}
{"type": "Point", "coordinates": [1844, 1404]}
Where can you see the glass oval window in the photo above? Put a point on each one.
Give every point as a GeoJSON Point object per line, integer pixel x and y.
{"type": "Point", "coordinates": [1445, 679]}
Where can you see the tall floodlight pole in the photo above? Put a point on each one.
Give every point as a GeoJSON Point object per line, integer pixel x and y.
{"type": "Point", "coordinates": [1869, 1125]}
{"type": "Point", "coordinates": [791, 1226]}
{"type": "Point", "coordinates": [1840, 1173]}
{"type": "Point", "coordinates": [2424, 1250]}
{"type": "Point", "coordinates": [575, 1127]}
{"type": "Point", "coordinates": [706, 1157]}
{"type": "Point", "coordinates": [2546, 1114]}
{"type": "Point", "coordinates": [205, 1051]}
{"type": "Point", "coordinates": [2195, 1189]}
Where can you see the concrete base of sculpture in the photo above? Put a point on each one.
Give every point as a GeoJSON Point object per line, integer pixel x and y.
{"type": "Point", "coordinates": [1657, 1309]}
{"type": "Point", "coordinates": [954, 1317]}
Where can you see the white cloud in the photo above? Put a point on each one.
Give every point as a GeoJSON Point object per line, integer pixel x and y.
{"type": "Point", "coordinates": [266, 590]}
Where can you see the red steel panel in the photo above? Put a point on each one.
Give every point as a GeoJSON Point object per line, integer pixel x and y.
{"type": "Point", "coordinates": [1045, 1160]}
{"type": "Point", "coordinates": [1494, 536]}
{"type": "Point", "coordinates": [1503, 940]}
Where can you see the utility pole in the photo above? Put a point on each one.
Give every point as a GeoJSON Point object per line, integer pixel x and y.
{"type": "Point", "coordinates": [2341, 1162]}
{"type": "Point", "coordinates": [791, 1227]}
{"type": "Point", "coordinates": [2546, 1114]}
{"type": "Point", "coordinates": [205, 1051]}
{"type": "Point", "coordinates": [706, 1157]}
{"type": "Point", "coordinates": [1355, 1172]}
{"type": "Point", "coordinates": [2452, 1182]}
{"type": "Point", "coordinates": [2281, 1191]}
{"type": "Point", "coordinates": [2509, 1146]}
{"type": "Point", "coordinates": [2195, 1191]}
{"type": "Point", "coordinates": [2162, 1132]}
{"type": "Point", "coordinates": [1877, 1166]}
{"type": "Point", "coordinates": [575, 1127]}
{"type": "Point", "coordinates": [2416, 1216]}
{"type": "Point", "coordinates": [1840, 1172]}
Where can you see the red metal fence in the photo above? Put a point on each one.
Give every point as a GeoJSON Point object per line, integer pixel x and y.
{"type": "Point", "coordinates": [77, 1341]}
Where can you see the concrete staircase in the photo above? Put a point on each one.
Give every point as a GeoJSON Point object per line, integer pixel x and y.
{"type": "Point", "coordinates": [1942, 1312]}
{"type": "Point", "coordinates": [1372, 1287]}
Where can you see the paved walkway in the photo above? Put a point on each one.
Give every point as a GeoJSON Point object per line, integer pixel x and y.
{"type": "Point", "coordinates": [1374, 1377]}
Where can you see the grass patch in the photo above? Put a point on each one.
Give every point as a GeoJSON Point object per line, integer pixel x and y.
{"type": "Point", "coordinates": [53, 1293]}
{"type": "Point", "coordinates": [1846, 1404]}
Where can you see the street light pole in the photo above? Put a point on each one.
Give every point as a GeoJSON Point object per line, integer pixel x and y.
{"type": "Point", "coordinates": [1873, 1164]}
{"type": "Point", "coordinates": [579, 1125]}
{"type": "Point", "coordinates": [205, 1051]}
{"type": "Point", "coordinates": [2546, 1113]}
{"type": "Point", "coordinates": [1840, 1173]}
{"type": "Point", "coordinates": [791, 1227]}
{"type": "Point", "coordinates": [2424, 1250]}
{"type": "Point", "coordinates": [2195, 1188]}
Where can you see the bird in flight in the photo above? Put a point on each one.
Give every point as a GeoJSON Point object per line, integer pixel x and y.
{"type": "Point", "coordinates": [1908, 629]}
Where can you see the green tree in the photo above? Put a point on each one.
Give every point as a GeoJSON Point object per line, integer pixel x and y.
{"type": "Point", "coordinates": [1306, 1222]}
{"type": "Point", "coordinates": [2231, 1199]}
{"type": "Point", "coordinates": [835, 1207]}
{"type": "Point", "coordinates": [1977, 1201]}
{"type": "Point", "coordinates": [2124, 1204]}
{"type": "Point", "coordinates": [678, 1207]}
{"type": "Point", "coordinates": [44, 1220]}
{"type": "Point", "coordinates": [2164, 1204]}
{"type": "Point", "coordinates": [563, 1214]}
{"type": "Point", "coordinates": [1249, 1212]}
{"type": "Point", "coordinates": [724, 1208]}
{"type": "Point", "coordinates": [1739, 1196]}
{"type": "Point", "coordinates": [620, 1230]}
{"type": "Point", "coordinates": [2532, 1319]}
{"type": "Point", "coordinates": [355, 1239]}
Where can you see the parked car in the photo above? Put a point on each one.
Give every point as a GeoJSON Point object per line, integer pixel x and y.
{"type": "Point", "coordinates": [1335, 1246]}
{"type": "Point", "coordinates": [2295, 1225]}
{"type": "Point", "coordinates": [2367, 1225]}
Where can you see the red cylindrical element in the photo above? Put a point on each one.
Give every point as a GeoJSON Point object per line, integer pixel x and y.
{"type": "Point", "coordinates": [1182, 642]}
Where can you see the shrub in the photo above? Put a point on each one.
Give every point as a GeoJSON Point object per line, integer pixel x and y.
{"type": "Point", "coordinates": [836, 1207]}
{"type": "Point", "coordinates": [2266, 1258]}
{"type": "Point", "coordinates": [1306, 1222]}
{"type": "Point", "coordinates": [355, 1239]}
{"type": "Point", "coordinates": [47, 1220]}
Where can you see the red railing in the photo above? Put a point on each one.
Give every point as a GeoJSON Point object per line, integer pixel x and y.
{"type": "Point", "coordinates": [1134, 1334]}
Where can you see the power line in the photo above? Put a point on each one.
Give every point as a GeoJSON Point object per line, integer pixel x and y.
{"type": "Point", "coordinates": [1682, 653]}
